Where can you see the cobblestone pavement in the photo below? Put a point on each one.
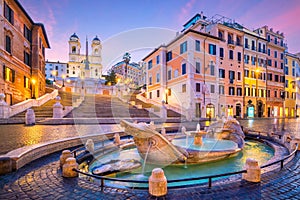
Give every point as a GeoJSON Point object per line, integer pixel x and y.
{"type": "Point", "coordinates": [41, 179]}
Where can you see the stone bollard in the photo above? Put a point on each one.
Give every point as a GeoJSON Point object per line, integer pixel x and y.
{"type": "Point", "coordinates": [90, 146]}
{"type": "Point", "coordinates": [117, 139]}
{"type": "Point", "coordinates": [30, 117]}
{"type": "Point", "coordinates": [65, 154]}
{"type": "Point", "coordinates": [253, 173]}
{"type": "Point", "coordinates": [158, 183]}
{"type": "Point", "coordinates": [68, 167]}
{"type": "Point", "coordinates": [57, 108]}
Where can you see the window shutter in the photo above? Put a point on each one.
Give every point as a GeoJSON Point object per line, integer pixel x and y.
{"type": "Point", "coordinates": [4, 76]}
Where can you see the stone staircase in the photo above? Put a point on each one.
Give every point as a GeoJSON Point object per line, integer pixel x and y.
{"type": "Point", "coordinates": [101, 106]}
{"type": "Point", "coordinates": [46, 110]}
{"type": "Point", "coordinates": [170, 113]}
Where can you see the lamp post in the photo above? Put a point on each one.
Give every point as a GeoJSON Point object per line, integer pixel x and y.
{"type": "Point", "coordinates": [63, 79]}
{"type": "Point", "coordinates": [53, 74]}
{"type": "Point", "coordinates": [33, 81]}
{"type": "Point", "coordinates": [126, 59]}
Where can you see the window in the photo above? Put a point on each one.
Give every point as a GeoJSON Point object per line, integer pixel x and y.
{"type": "Point", "coordinates": [176, 73]}
{"type": "Point", "coordinates": [221, 89]}
{"type": "Point", "coordinates": [286, 83]}
{"type": "Point", "coordinates": [27, 33]}
{"type": "Point", "coordinates": [238, 40]}
{"type": "Point", "coordinates": [27, 58]}
{"type": "Point", "coordinates": [264, 48]}
{"type": "Point", "coordinates": [282, 79]}
{"type": "Point", "coordinates": [9, 74]}
{"type": "Point", "coordinates": [275, 93]}
{"type": "Point", "coordinates": [246, 43]}
{"type": "Point", "coordinates": [212, 49]}
{"type": "Point", "coordinates": [239, 76]}
{"type": "Point", "coordinates": [212, 88]}
{"type": "Point", "coordinates": [247, 91]}
{"type": "Point", "coordinates": [275, 54]}
{"type": "Point", "coordinates": [269, 52]}
{"type": "Point", "coordinates": [183, 69]}
{"type": "Point", "coordinates": [157, 93]}
{"type": "Point", "coordinates": [269, 93]}
{"type": "Point", "coordinates": [198, 68]}
{"type": "Point", "coordinates": [231, 54]}
{"type": "Point", "coordinates": [239, 91]}
{"type": "Point", "coordinates": [246, 59]}
{"type": "Point", "coordinates": [286, 71]}
{"type": "Point", "coordinates": [269, 62]}
{"type": "Point", "coordinates": [157, 59]}
{"type": "Point", "coordinates": [253, 45]}
{"type": "Point", "coordinates": [275, 63]}
{"type": "Point", "coordinates": [8, 44]}
{"type": "Point", "coordinates": [269, 38]}
{"type": "Point", "coordinates": [183, 87]}
{"type": "Point", "coordinates": [253, 91]}
{"type": "Point", "coordinates": [221, 73]}
{"type": "Point", "coordinates": [150, 80]}
{"type": "Point", "coordinates": [276, 78]}
{"type": "Point", "coordinates": [73, 49]}
{"type": "Point", "coordinates": [197, 45]}
{"type": "Point", "coordinates": [150, 95]}
{"type": "Point", "coordinates": [253, 60]}
{"type": "Point", "coordinates": [293, 63]}
{"type": "Point", "coordinates": [231, 75]}
{"type": "Point", "coordinates": [183, 47]}
{"type": "Point", "coordinates": [212, 69]}
{"type": "Point", "coordinates": [293, 72]}
{"type": "Point", "coordinates": [239, 55]}
{"type": "Point", "coordinates": [246, 73]}
{"type": "Point", "coordinates": [198, 87]}
{"type": "Point", "coordinates": [220, 34]}
{"type": "Point", "coordinates": [169, 56]}
{"type": "Point", "coordinates": [157, 78]}
{"type": "Point", "coordinates": [259, 47]}
{"type": "Point", "coordinates": [281, 56]}
{"type": "Point", "coordinates": [269, 77]}
{"type": "Point", "coordinates": [231, 91]}
{"type": "Point", "coordinates": [221, 53]}
{"type": "Point", "coordinates": [26, 82]}
{"type": "Point", "coordinates": [150, 64]}
{"type": "Point", "coordinates": [8, 13]}
{"type": "Point", "coordinates": [169, 74]}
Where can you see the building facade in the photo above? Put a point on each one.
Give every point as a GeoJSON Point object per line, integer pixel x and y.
{"type": "Point", "coordinates": [22, 48]}
{"type": "Point", "coordinates": [78, 62]}
{"type": "Point", "coordinates": [290, 69]}
{"type": "Point", "coordinates": [56, 70]}
{"type": "Point", "coordinates": [135, 72]}
{"type": "Point", "coordinates": [217, 67]}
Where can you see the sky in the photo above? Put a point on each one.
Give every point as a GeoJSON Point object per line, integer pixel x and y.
{"type": "Point", "coordinates": [139, 26]}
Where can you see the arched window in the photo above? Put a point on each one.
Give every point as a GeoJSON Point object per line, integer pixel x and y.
{"type": "Point", "coordinates": [96, 51]}
{"type": "Point", "coordinates": [73, 49]}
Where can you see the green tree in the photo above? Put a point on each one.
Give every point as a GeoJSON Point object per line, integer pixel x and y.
{"type": "Point", "coordinates": [110, 78]}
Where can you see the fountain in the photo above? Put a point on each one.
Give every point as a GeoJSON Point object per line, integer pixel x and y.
{"type": "Point", "coordinates": [185, 155]}
{"type": "Point", "coordinates": [160, 150]}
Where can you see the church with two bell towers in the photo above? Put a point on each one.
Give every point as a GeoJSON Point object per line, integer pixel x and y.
{"type": "Point", "coordinates": [84, 65]}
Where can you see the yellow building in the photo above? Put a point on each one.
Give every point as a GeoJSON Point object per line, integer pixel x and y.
{"type": "Point", "coordinates": [291, 66]}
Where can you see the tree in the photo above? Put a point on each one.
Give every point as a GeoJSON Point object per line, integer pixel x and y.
{"type": "Point", "coordinates": [110, 78]}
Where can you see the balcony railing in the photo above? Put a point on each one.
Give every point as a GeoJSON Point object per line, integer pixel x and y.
{"type": "Point", "coordinates": [230, 42]}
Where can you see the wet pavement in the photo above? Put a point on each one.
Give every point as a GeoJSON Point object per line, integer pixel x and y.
{"type": "Point", "coordinates": [42, 179]}
{"type": "Point", "coordinates": [19, 135]}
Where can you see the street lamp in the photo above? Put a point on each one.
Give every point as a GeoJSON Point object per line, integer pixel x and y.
{"type": "Point", "coordinates": [126, 59]}
{"type": "Point", "coordinates": [53, 74]}
{"type": "Point", "coordinates": [63, 79]}
{"type": "Point", "coordinates": [33, 81]}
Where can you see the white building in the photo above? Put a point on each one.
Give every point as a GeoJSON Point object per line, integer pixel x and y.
{"type": "Point", "coordinates": [84, 65]}
{"type": "Point", "coordinates": [55, 70]}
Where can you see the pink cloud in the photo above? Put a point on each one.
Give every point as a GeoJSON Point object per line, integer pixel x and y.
{"type": "Point", "coordinates": [185, 11]}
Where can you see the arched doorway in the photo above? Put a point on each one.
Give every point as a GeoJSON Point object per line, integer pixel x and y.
{"type": "Point", "coordinates": [210, 111]}
{"type": "Point", "coordinates": [238, 110]}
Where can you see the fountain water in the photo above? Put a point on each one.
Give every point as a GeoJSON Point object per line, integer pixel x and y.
{"type": "Point", "coordinates": [145, 160]}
